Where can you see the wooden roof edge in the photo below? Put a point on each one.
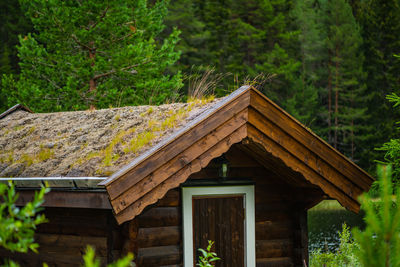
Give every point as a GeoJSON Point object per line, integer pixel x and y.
{"type": "Point", "coordinates": [234, 95]}
{"type": "Point", "coordinates": [315, 135]}
{"type": "Point", "coordinates": [13, 109]}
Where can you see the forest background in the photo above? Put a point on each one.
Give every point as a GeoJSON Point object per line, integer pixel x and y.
{"type": "Point", "coordinates": [329, 63]}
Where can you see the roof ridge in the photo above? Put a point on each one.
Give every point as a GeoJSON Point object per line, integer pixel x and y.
{"type": "Point", "coordinates": [13, 109]}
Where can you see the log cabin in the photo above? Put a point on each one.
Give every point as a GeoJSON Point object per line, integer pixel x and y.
{"type": "Point", "coordinates": [160, 181]}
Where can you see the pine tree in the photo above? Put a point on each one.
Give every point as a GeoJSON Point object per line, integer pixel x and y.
{"type": "Point", "coordinates": [379, 242]}
{"type": "Point", "coordinates": [251, 37]}
{"type": "Point", "coordinates": [5, 68]}
{"type": "Point", "coordinates": [183, 14]}
{"type": "Point", "coordinates": [305, 104]}
{"type": "Point", "coordinates": [94, 53]}
{"type": "Point", "coordinates": [13, 22]}
{"type": "Point", "coordinates": [345, 84]}
{"type": "Point", "coordinates": [380, 21]}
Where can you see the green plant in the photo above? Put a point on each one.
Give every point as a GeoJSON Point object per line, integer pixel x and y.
{"type": "Point", "coordinates": [90, 259]}
{"type": "Point", "coordinates": [380, 241]}
{"type": "Point", "coordinates": [17, 225]}
{"type": "Point", "coordinates": [344, 256]}
{"type": "Point", "coordinates": [208, 257]}
{"type": "Point", "coordinates": [392, 147]}
{"type": "Point", "coordinates": [110, 54]}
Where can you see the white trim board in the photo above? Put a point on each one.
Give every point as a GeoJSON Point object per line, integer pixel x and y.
{"type": "Point", "coordinates": [248, 194]}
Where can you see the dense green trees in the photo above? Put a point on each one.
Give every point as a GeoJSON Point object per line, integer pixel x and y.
{"type": "Point", "coordinates": [13, 22]}
{"type": "Point", "coordinates": [380, 21]}
{"type": "Point", "coordinates": [332, 61]}
{"type": "Point", "coordinates": [94, 54]}
{"type": "Point", "coordinates": [345, 78]}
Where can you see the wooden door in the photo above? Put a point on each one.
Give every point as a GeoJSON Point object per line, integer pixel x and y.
{"type": "Point", "coordinates": [222, 220]}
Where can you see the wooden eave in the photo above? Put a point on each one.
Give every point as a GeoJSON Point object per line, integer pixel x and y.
{"type": "Point", "coordinates": [245, 114]}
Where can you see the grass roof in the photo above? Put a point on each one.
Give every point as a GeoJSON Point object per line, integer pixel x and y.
{"type": "Point", "coordinates": [87, 143]}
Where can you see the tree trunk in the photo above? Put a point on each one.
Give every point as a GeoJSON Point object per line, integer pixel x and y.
{"type": "Point", "coordinates": [329, 102]}
{"type": "Point", "coordinates": [92, 81]}
{"type": "Point", "coordinates": [336, 97]}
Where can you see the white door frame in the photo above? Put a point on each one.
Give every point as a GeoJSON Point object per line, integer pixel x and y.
{"type": "Point", "coordinates": [247, 191]}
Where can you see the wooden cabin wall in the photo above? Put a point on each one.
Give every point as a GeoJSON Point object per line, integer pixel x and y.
{"type": "Point", "coordinates": [159, 233]}
{"type": "Point", "coordinates": [64, 238]}
{"type": "Point", "coordinates": [281, 220]}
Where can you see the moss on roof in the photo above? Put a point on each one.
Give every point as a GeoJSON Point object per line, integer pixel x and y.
{"type": "Point", "coordinates": [87, 143]}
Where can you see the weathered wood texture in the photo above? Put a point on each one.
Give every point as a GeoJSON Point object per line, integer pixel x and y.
{"type": "Point", "coordinates": [178, 170]}
{"type": "Point", "coordinates": [220, 219]}
{"type": "Point", "coordinates": [281, 229]}
{"type": "Point", "coordinates": [150, 180]}
{"type": "Point", "coordinates": [64, 238]}
{"type": "Point", "coordinates": [302, 156]}
{"type": "Point", "coordinates": [68, 199]}
{"type": "Point", "coordinates": [159, 233]}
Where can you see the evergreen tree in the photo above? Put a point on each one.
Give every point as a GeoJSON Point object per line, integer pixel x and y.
{"type": "Point", "coordinates": [250, 37]}
{"type": "Point", "coordinates": [305, 104]}
{"type": "Point", "coordinates": [13, 22]}
{"type": "Point", "coordinates": [346, 93]}
{"type": "Point", "coordinates": [94, 54]}
{"type": "Point", "coordinates": [183, 14]}
{"type": "Point", "coordinates": [5, 68]}
{"type": "Point", "coordinates": [379, 242]}
{"type": "Point", "coordinates": [380, 21]}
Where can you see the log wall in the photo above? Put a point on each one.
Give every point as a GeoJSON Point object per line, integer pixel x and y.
{"type": "Point", "coordinates": [155, 236]}
{"type": "Point", "coordinates": [281, 218]}
{"type": "Point", "coordinates": [64, 238]}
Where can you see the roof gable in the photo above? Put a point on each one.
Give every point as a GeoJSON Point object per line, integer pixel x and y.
{"type": "Point", "coordinates": [13, 109]}
{"type": "Point", "coordinates": [246, 114]}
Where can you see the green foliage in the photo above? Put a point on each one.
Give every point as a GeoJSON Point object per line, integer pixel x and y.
{"type": "Point", "coordinates": [344, 256]}
{"type": "Point", "coordinates": [346, 95]}
{"type": "Point", "coordinates": [239, 38]}
{"type": "Point", "coordinates": [17, 225]}
{"type": "Point", "coordinates": [380, 23]}
{"type": "Point", "coordinates": [94, 53]}
{"type": "Point", "coordinates": [90, 259]}
{"type": "Point", "coordinates": [13, 22]}
{"type": "Point", "coordinates": [208, 257]}
{"type": "Point", "coordinates": [392, 147]}
{"type": "Point", "coordinates": [380, 241]}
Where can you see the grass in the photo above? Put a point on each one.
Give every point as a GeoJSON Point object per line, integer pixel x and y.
{"type": "Point", "coordinates": [26, 159]}
{"type": "Point", "coordinates": [117, 117]}
{"type": "Point", "coordinates": [18, 127]}
{"type": "Point", "coordinates": [139, 141]}
{"type": "Point", "coordinates": [31, 130]}
{"type": "Point", "coordinates": [7, 158]}
{"type": "Point", "coordinates": [108, 152]}
{"type": "Point", "coordinates": [147, 112]}
{"type": "Point", "coordinates": [152, 130]}
{"type": "Point", "coordinates": [45, 154]}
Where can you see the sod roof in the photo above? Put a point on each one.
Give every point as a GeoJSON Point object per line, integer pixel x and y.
{"type": "Point", "coordinates": [87, 143]}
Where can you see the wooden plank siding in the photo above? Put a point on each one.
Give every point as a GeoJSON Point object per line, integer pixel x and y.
{"type": "Point", "coordinates": [281, 228]}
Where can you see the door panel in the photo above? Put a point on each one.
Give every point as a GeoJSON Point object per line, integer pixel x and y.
{"type": "Point", "coordinates": [220, 219]}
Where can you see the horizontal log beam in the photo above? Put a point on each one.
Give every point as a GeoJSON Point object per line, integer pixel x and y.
{"type": "Point", "coordinates": [156, 256]}
{"type": "Point", "coordinates": [159, 236]}
{"type": "Point", "coordinates": [68, 199]}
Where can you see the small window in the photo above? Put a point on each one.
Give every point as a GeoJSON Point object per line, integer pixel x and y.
{"type": "Point", "coordinates": [223, 214]}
